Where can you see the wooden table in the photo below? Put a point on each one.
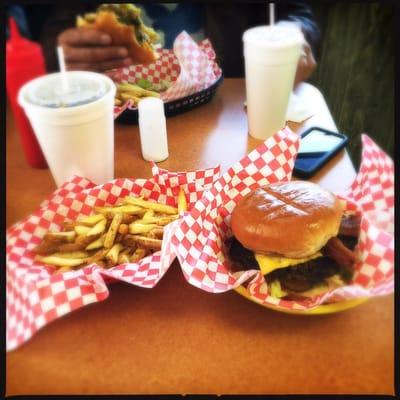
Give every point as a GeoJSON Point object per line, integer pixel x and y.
{"type": "Point", "coordinates": [178, 339]}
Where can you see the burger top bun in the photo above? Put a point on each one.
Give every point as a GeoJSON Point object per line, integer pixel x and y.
{"type": "Point", "coordinates": [292, 219]}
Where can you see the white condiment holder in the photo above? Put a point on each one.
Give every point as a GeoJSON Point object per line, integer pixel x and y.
{"type": "Point", "coordinates": [153, 129]}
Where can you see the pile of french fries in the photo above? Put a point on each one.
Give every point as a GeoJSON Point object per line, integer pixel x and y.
{"type": "Point", "coordinates": [114, 235]}
{"type": "Point", "coordinates": [129, 91]}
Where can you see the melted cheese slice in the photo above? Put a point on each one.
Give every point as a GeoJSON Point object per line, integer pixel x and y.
{"type": "Point", "coordinates": [268, 264]}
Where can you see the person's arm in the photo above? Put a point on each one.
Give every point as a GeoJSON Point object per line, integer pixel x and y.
{"type": "Point", "coordinates": [301, 13]}
{"type": "Point", "coordinates": [84, 49]}
{"type": "Point", "coordinates": [225, 25]}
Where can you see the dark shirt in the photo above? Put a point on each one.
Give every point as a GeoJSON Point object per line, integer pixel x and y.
{"type": "Point", "coordinates": [223, 23]}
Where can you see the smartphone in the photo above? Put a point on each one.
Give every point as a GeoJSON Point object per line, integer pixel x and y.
{"type": "Point", "coordinates": [317, 147]}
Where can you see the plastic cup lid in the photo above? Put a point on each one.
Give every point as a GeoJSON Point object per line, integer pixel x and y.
{"type": "Point", "coordinates": [277, 36]}
{"type": "Point", "coordinates": [80, 88]}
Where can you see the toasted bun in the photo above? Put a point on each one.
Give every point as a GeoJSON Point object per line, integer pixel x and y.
{"type": "Point", "coordinates": [292, 219]}
{"type": "Point", "coordinates": [121, 35]}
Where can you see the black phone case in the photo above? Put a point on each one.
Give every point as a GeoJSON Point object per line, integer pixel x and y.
{"type": "Point", "coordinates": [301, 172]}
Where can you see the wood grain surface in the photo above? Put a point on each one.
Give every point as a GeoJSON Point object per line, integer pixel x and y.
{"type": "Point", "coordinates": [356, 69]}
{"type": "Point", "coordinates": [177, 339]}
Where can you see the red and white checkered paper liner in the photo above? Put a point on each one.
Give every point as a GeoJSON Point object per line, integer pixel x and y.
{"type": "Point", "coordinates": [199, 238]}
{"type": "Point", "coordinates": [35, 296]}
{"type": "Point", "coordinates": [190, 67]}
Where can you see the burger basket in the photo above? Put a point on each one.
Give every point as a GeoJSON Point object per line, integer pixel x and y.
{"type": "Point", "coordinates": [189, 67]}
{"type": "Point", "coordinates": [199, 239]}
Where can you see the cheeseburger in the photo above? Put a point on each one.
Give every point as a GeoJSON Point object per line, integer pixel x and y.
{"type": "Point", "coordinates": [298, 236]}
{"type": "Point", "coordinates": [125, 27]}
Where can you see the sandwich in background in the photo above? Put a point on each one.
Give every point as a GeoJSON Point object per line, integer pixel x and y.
{"type": "Point", "coordinates": [124, 25]}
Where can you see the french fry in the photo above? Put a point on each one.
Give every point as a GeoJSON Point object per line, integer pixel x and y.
{"type": "Point", "coordinates": [98, 256]}
{"type": "Point", "coordinates": [161, 208]}
{"type": "Point", "coordinates": [91, 220]}
{"type": "Point", "coordinates": [123, 257]}
{"type": "Point", "coordinates": [182, 203]}
{"type": "Point", "coordinates": [128, 96]}
{"type": "Point", "coordinates": [108, 222]}
{"type": "Point", "coordinates": [112, 254]}
{"type": "Point", "coordinates": [166, 220]}
{"type": "Point", "coordinates": [82, 230]}
{"type": "Point", "coordinates": [125, 250]}
{"type": "Point", "coordinates": [45, 248]}
{"type": "Point", "coordinates": [109, 216]}
{"type": "Point", "coordinates": [118, 238]}
{"type": "Point", "coordinates": [128, 241]}
{"type": "Point", "coordinates": [148, 215]}
{"type": "Point", "coordinates": [117, 102]}
{"type": "Point", "coordinates": [69, 247]}
{"type": "Point", "coordinates": [123, 229]}
{"type": "Point", "coordinates": [156, 233]}
{"type": "Point", "coordinates": [72, 254]}
{"type": "Point", "coordinates": [68, 225]}
{"type": "Point", "coordinates": [147, 243]}
{"type": "Point", "coordinates": [157, 220]}
{"type": "Point", "coordinates": [138, 254]}
{"type": "Point", "coordinates": [86, 240]}
{"type": "Point", "coordinates": [118, 234]}
{"type": "Point", "coordinates": [134, 90]}
{"type": "Point", "coordinates": [60, 237]}
{"type": "Point", "coordinates": [112, 231]}
{"type": "Point", "coordinates": [128, 219]}
{"type": "Point", "coordinates": [102, 264]}
{"type": "Point", "coordinates": [108, 263]}
{"type": "Point", "coordinates": [96, 244]}
{"type": "Point", "coordinates": [61, 261]}
{"type": "Point", "coordinates": [125, 209]}
{"type": "Point", "coordinates": [99, 228]}
{"type": "Point", "coordinates": [135, 228]}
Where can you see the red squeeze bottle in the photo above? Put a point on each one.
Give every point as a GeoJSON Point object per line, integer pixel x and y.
{"type": "Point", "coordinates": [24, 61]}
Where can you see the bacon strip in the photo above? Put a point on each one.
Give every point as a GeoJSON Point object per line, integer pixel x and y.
{"type": "Point", "coordinates": [336, 250]}
{"type": "Point", "coordinates": [350, 226]}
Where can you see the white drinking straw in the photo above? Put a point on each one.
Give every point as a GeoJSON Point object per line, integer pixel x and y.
{"type": "Point", "coordinates": [61, 63]}
{"type": "Point", "coordinates": [271, 14]}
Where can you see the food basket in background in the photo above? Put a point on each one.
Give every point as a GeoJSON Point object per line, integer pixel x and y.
{"type": "Point", "coordinates": [190, 69]}
{"type": "Point", "coordinates": [175, 107]}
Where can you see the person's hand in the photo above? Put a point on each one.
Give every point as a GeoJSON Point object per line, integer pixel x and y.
{"type": "Point", "coordinates": [90, 50]}
{"type": "Point", "coordinates": [306, 65]}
